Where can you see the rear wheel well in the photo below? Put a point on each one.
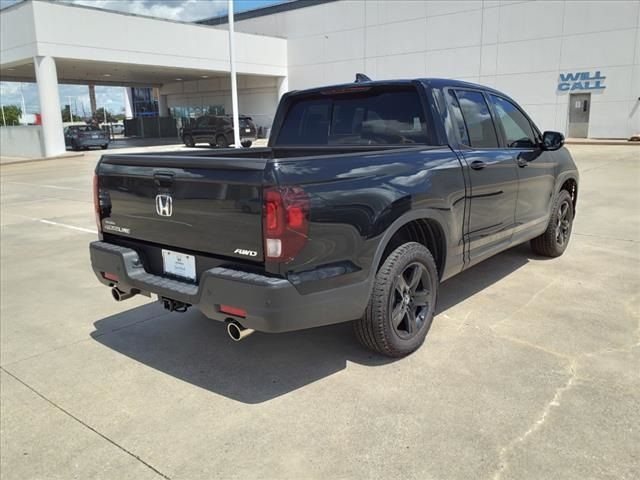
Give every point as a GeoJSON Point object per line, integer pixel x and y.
{"type": "Point", "coordinates": [423, 231]}
{"type": "Point", "coordinates": [571, 186]}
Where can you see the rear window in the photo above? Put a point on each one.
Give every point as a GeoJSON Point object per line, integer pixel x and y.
{"type": "Point", "coordinates": [372, 117]}
{"type": "Point", "coordinates": [85, 128]}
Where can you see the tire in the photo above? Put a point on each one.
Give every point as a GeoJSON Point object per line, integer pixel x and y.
{"type": "Point", "coordinates": [247, 144]}
{"type": "Point", "coordinates": [74, 146]}
{"type": "Point", "coordinates": [399, 334]}
{"type": "Point", "coordinates": [104, 147]}
{"type": "Point", "coordinates": [553, 242]}
{"type": "Point", "coordinates": [221, 141]}
{"type": "Point", "coordinates": [188, 141]}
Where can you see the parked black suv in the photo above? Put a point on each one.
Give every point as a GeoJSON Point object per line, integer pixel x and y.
{"type": "Point", "coordinates": [217, 131]}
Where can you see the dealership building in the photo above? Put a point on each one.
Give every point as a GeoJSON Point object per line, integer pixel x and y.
{"type": "Point", "coordinates": [573, 65]}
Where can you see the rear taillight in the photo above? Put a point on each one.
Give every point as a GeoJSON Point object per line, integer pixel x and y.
{"type": "Point", "coordinates": [96, 203]}
{"type": "Point", "coordinates": [286, 222]}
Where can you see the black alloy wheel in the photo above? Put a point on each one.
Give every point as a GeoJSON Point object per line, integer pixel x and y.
{"type": "Point", "coordinates": [410, 300]}
{"type": "Point", "coordinates": [402, 303]}
{"type": "Point", "coordinates": [563, 223]}
{"type": "Point", "coordinates": [553, 242]}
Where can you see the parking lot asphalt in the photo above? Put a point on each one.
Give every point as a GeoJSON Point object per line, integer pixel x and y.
{"type": "Point", "coordinates": [530, 371]}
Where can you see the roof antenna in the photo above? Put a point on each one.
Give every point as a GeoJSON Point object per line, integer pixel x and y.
{"type": "Point", "coordinates": [361, 77]}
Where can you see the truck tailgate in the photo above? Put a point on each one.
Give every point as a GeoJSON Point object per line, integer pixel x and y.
{"type": "Point", "coordinates": [206, 205]}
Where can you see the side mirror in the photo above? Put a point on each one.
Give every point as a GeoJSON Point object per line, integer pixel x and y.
{"type": "Point", "coordinates": [552, 140]}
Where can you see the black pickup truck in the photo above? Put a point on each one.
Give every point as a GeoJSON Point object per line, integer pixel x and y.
{"type": "Point", "coordinates": [368, 196]}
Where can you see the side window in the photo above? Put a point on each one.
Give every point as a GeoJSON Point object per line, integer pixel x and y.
{"type": "Point", "coordinates": [459, 120]}
{"type": "Point", "coordinates": [517, 129]}
{"type": "Point", "coordinates": [477, 118]}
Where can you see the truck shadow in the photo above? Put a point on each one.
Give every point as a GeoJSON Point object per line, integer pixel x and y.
{"type": "Point", "coordinates": [197, 350]}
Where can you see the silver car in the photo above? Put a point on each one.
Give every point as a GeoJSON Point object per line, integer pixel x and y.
{"type": "Point", "coordinates": [81, 137]}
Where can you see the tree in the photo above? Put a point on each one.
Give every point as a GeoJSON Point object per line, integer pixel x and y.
{"type": "Point", "coordinates": [100, 114]}
{"type": "Point", "coordinates": [12, 114]}
{"type": "Point", "coordinates": [67, 115]}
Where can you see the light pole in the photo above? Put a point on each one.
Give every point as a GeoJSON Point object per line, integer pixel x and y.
{"type": "Point", "coordinates": [70, 112]}
{"type": "Point", "coordinates": [234, 83]}
{"type": "Point", "coordinates": [24, 106]}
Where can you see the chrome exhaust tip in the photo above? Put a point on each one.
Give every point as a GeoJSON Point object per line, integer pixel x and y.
{"type": "Point", "coordinates": [118, 295]}
{"type": "Point", "coordinates": [237, 332]}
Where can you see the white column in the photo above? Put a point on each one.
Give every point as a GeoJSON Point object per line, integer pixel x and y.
{"type": "Point", "coordinates": [128, 103]}
{"type": "Point", "coordinates": [163, 110]}
{"type": "Point", "coordinates": [283, 86]}
{"type": "Point", "coordinates": [47, 78]}
{"type": "Point", "coordinates": [234, 82]}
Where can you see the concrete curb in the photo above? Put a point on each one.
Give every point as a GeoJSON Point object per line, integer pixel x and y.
{"type": "Point", "coordinates": [18, 160]}
{"type": "Point", "coordinates": [586, 141]}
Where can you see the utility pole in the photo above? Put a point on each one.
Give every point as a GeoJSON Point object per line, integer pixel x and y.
{"type": "Point", "coordinates": [92, 99]}
{"type": "Point", "coordinates": [70, 112]}
{"type": "Point", "coordinates": [234, 83]}
{"type": "Point", "coordinates": [24, 106]}
{"type": "Point", "coordinates": [4, 119]}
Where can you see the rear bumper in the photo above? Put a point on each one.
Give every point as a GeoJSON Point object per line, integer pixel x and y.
{"type": "Point", "coordinates": [272, 304]}
{"type": "Point", "coordinates": [93, 142]}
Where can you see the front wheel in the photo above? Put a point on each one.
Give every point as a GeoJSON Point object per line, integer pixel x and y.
{"type": "Point", "coordinates": [188, 141]}
{"type": "Point", "coordinates": [402, 304]}
{"type": "Point", "coordinates": [104, 147]}
{"type": "Point", "coordinates": [553, 242]}
{"type": "Point", "coordinates": [221, 141]}
{"type": "Point", "coordinates": [247, 144]}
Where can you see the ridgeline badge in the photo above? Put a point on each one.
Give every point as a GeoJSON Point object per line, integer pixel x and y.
{"type": "Point", "coordinates": [581, 81]}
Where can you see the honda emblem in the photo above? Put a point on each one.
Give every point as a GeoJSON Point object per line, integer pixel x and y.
{"type": "Point", "coordinates": [164, 205]}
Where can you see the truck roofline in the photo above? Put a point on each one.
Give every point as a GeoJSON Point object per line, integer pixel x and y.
{"type": "Point", "coordinates": [433, 82]}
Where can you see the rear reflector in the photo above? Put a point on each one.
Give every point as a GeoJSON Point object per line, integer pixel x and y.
{"type": "Point", "coordinates": [110, 276]}
{"type": "Point", "coordinates": [237, 312]}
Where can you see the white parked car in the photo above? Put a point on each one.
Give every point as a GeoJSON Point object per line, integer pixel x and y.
{"type": "Point", "coordinates": [116, 128]}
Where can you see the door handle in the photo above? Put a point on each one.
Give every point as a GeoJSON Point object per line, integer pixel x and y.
{"type": "Point", "coordinates": [478, 164]}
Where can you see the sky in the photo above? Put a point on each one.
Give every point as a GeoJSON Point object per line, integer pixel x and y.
{"type": "Point", "coordinates": [112, 98]}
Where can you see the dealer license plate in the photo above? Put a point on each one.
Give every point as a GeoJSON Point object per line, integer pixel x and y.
{"type": "Point", "coordinates": [179, 264]}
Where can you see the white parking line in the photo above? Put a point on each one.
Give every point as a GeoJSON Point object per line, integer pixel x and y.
{"type": "Point", "coordinates": [49, 186]}
{"type": "Point", "coordinates": [56, 224]}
